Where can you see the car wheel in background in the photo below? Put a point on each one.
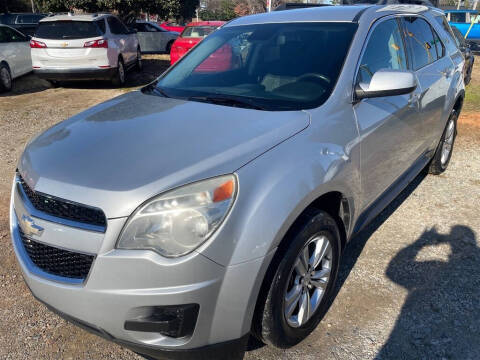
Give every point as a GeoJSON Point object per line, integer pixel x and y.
{"type": "Point", "coordinates": [468, 76]}
{"type": "Point", "coordinates": [139, 60]}
{"type": "Point", "coordinates": [119, 78]}
{"type": "Point", "coordinates": [5, 78]}
{"type": "Point", "coordinates": [444, 150]}
{"type": "Point", "coordinates": [297, 292]}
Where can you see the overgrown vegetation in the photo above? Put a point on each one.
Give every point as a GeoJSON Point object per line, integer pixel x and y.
{"type": "Point", "coordinates": [164, 8]}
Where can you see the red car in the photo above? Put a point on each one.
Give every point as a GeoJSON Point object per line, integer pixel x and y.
{"type": "Point", "coordinates": [191, 36]}
{"type": "Point", "coordinates": [171, 26]}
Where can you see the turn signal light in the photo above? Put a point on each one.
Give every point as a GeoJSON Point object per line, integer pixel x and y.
{"type": "Point", "coordinates": [34, 44]}
{"type": "Point", "coordinates": [102, 43]}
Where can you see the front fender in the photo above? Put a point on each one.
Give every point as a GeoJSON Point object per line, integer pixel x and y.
{"type": "Point", "coordinates": [275, 189]}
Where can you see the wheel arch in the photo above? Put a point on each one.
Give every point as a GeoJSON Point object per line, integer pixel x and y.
{"type": "Point", "coordinates": [458, 103]}
{"type": "Point", "coordinates": [334, 203]}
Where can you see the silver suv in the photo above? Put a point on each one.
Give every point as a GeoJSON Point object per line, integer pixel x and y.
{"type": "Point", "coordinates": [216, 201]}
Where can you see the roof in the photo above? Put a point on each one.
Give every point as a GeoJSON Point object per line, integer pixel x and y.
{"type": "Point", "coordinates": [67, 17]}
{"type": "Point", "coordinates": [342, 13]}
{"type": "Point", "coordinates": [206, 23]}
{"type": "Point", "coordinates": [324, 13]}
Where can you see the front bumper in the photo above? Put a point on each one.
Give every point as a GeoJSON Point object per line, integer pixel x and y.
{"type": "Point", "coordinates": [121, 282]}
{"type": "Point", "coordinates": [59, 74]}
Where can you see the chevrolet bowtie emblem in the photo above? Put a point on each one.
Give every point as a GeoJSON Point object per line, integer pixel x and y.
{"type": "Point", "coordinates": [64, 44]}
{"type": "Point", "coordinates": [29, 227]}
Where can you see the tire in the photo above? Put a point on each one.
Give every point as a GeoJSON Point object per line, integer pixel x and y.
{"type": "Point", "coordinates": [272, 324]}
{"type": "Point", "coordinates": [139, 64]}
{"type": "Point", "coordinates": [443, 154]}
{"type": "Point", "coordinates": [6, 81]}
{"type": "Point", "coordinates": [53, 83]}
{"type": "Point", "coordinates": [121, 74]}
{"type": "Point", "coordinates": [169, 47]}
{"type": "Point", "coordinates": [468, 76]}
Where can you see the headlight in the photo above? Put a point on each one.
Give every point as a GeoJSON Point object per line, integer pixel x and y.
{"type": "Point", "coordinates": [179, 221]}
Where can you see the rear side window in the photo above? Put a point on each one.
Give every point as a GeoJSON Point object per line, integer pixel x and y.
{"type": "Point", "coordinates": [59, 30]}
{"type": "Point", "coordinates": [116, 26]}
{"type": "Point", "coordinates": [459, 37]}
{"type": "Point", "coordinates": [10, 35]}
{"type": "Point", "coordinates": [385, 50]}
{"type": "Point", "coordinates": [419, 38]}
{"type": "Point", "coordinates": [101, 25]}
{"type": "Point", "coordinates": [438, 45]}
{"type": "Point", "coordinates": [197, 31]}
{"type": "Point", "coordinates": [448, 38]}
{"type": "Point", "coordinates": [29, 19]}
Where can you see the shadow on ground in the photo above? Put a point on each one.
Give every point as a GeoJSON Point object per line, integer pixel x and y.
{"type": "Point", "coordinates": [30, 84]}
{"type": "Point", "coordinates": [440, 317]}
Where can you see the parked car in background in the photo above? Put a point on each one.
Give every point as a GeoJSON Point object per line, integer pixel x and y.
{"type": "Point", "coordinates": [181, 218]}
{"type": "Point", "coordinates": [191, 36]}
{"type": "Point", "coordinates": [462, 20]}
{"type": "Point", "coordinates": [26, 23]}
{"type": "Point", "coordinates": [153, 38]}
{"type": "Point", "coordinates": [15, 57]}
{"type": "Point", "coordinates": [171, 26]}
{"type": "Point", "coordinates": [84, 47]}
{"type": "Point", "coordinates": [467, 54]}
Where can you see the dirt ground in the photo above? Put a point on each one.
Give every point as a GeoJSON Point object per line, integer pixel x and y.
{"type": "Point", "coordinates": [409, 284]}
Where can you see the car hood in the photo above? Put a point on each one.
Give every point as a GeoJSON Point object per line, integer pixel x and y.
{"type": "Point", "coordinates": [120, 153]}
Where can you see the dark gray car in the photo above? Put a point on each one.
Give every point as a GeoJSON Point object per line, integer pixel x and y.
{"type": "Point", "coordinates": [216, 202]}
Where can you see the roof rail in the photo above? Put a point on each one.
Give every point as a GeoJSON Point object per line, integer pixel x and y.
{"type": "Point", "coordinates": [429, 3]}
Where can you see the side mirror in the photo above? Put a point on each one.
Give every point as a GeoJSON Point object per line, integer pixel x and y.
{"type": "Point", "coordinates": [387, 82]}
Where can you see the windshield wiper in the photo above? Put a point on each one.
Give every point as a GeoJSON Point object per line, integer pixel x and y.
{"type": "Point", "coordinates": [227, 101]}
{"type": "Point", "coordinates": [155, 90]}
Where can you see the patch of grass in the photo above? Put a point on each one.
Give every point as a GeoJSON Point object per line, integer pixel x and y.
{"type": "Point", "coordinates": [472, 97]}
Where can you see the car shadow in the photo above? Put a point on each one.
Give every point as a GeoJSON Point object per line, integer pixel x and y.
{"type": "Point", "coordinates": [440, 316]}
{"type": "Point", "coordinates": [152, 68]}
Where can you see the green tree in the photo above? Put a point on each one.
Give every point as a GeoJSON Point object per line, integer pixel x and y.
{"type": "Point", "coordinates": [219, 10]}
{"type": "Point", "coordinates": [125, 8]}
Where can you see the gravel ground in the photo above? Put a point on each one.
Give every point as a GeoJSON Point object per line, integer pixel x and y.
{"type": "Point", "coordinates": [409, 284]}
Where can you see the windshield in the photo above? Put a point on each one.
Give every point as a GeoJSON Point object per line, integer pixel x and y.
{"type": "Point", "coordinates": [287, 66]}
{"type": "Point", "coordinates": [197, 31]}
{"type": "Point", "coordinates": [59, 30]}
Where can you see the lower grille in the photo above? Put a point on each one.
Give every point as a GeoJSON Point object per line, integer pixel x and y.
{"type": "Point", "coordinates": [57, 261]}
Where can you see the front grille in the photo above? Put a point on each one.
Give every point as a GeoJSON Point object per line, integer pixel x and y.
{"type": "Point", "coordinates": [57, 261]}
{"type": "Point", "coordinates": [64, 209]}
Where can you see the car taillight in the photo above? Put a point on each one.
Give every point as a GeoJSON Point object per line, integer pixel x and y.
{"type": "Point", "coordinates": [34, 44]}
{"type": "Point", "coordinates": [102, 43]}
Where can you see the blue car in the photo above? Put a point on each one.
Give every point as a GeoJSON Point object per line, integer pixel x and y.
{"type": "Point", "coordinates": [462, 19]}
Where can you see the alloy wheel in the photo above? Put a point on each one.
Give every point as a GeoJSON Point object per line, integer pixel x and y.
{"type": "Point", "coordinates": [308, 281]}
{"type": "Point", "coordinates": [121, 72]}
{"type": "Point", "coordinates": [448, 142]}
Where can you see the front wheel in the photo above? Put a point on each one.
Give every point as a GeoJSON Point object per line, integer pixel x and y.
{"type": "Point", "coordinates": [5, 78]}
{"type": "Point", "coordinates": [303, 282]}
{"type": "Point", "coordinates": [443, 154]}
{"type": "Point", "coordinates": [139, 64]}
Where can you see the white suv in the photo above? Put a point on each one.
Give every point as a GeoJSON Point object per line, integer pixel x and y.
{"type": "Point", "coordinates": [84, 47]}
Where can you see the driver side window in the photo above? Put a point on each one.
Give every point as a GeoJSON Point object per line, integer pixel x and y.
{"type": "Point", "coordinates": [385, 50]}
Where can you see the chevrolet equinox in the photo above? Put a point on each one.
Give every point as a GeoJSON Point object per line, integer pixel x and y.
{"type": "Point", "coordinates": [215, 202]}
